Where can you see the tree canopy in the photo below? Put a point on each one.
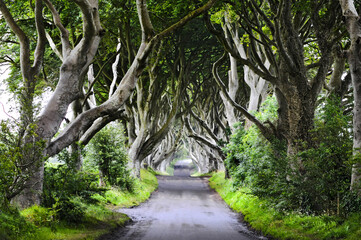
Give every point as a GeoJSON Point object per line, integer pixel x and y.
{"type": "Point", "coordinates": [219, 78]}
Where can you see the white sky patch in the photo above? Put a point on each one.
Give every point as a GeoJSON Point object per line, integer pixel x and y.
{"type": "Point", "coordinates": [7, 105]}
{"type": "Point", "coordinates": [184, 162]}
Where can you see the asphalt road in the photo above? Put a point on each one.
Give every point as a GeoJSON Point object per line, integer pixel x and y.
{"type": "Point", "coordinates": [183, 208]}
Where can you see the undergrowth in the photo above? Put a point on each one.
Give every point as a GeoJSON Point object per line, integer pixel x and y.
{"type": "Point", "coordinates": [284, 225]}
{"type": "Point", "coordinates": [141, 192]}
{"type": "Point", "coordinates": [39, 222]}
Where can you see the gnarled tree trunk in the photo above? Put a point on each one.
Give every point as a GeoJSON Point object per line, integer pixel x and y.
{"type": "Point", "coordinates": [353, 25]}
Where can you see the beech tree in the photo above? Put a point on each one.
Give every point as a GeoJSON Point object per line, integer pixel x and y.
{"type": "Point", "coordinates": [257, 85]}
{"type": "Point", "coordinates": [277, 33]}
{"type": "Point", "coordinates": [354, 59]}
{"type": "Point", "coordinates": [75, 62]}
{"type": "Point", "coordinates": [205, 125]}
{"type": "Point", "coordinates": [155, 108]}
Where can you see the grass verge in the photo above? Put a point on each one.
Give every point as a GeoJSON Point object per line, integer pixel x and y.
{"type": "Point", "coordinates": [142, 191]}
{"type": "Point", "coordinates": [198, 174]}
{"type": "Point", "coordinates": [263, 218]}
{"type": "Point", "coordinates": [37, 222]}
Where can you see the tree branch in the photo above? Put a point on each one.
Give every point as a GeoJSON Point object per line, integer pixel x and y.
{"type": "Point", "coordinates": [40, 47]}
{"type": "Point", "coordinates": [204, 125]}
{"type": "Point", "coordinates": [66, 46]}
{"type": "Point", "coordinates": [264, 130]}
{"type": "Point", "coordinates": [187, 18]}
{"type": "Point", "coordinates": [24, 40]}
{"type": "Point", "coordinates": [125, 88]}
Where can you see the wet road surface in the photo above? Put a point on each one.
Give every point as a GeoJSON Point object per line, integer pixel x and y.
{"type": "Point", "coordinates": [183, 208]}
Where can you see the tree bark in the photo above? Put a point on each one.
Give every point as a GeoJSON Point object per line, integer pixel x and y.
{"type": "Point", "coordinates": [353, 25]}
{"type": "Point", "coordinates": [34, 170]}
{"type": "Point", "coordinates": [128, 83]}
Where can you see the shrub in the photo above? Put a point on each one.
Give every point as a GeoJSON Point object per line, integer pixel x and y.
{"type": "Point", "coordinates": [14, 226]}
{"type": "Point", "coordinates": [107, 153]}
{"type": "Point", "coordinates": [325, 180]}
{"type": "Point", "coordinates": [323, 184]}
{"type": "Point", "coordinates": [14, 155]}
{"type": "Point", "coordinates": [39, 216]}
{"type": "Point", "coordinates": [70, 210]}
{"type": "Point", "coordinates": [62, 184]}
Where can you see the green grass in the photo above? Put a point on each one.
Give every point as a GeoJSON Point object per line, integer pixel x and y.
{"type": "Point", "coordinates": [198, 174]}
{"type": "Point", "coordinates": [142, 190]}
{"type": "Point", "coordinates": [158, 173]}
{"type": "Point", "coordinates": [37, 222]}
{"type": "Point", "coordinates": [284, 225]}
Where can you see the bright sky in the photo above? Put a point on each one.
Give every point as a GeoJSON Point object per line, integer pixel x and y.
{"type": "Point", "coordinates": [7, 104]}
{"type": "Point", "coordinates": [5, 97]}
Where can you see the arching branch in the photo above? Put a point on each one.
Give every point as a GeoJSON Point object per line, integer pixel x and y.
{"type": "Point", "coordinates": [264, 130]}
{"type": "Point", "coordinates": [127, 85]}
{"type": "Point", "coordinates": [66, 47]}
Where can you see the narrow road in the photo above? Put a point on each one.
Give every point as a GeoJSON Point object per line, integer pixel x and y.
{"type": "Point", "coordinates": [183, 208]}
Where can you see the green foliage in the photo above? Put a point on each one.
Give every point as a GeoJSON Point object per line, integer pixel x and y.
{"type": "Point", "coordinates": [62, 184]}
{"type": "Point", "coordinates": [40, 216]}
{"type": "Point", "coordinates": [97, 221]}
{"type": "Point", "coordinates": [291, 225]}
{"type": "Point", "coordinates": [19, 155]}
{"type": "Point", "coordinates": [324, 178]}
{"type": "Point", "coordinates": [70, 211]}
{"type": "Point", "coordinates": [38, 222]}
{"type": "Point", "coordinates": [14, 226]}
{"type": "Point", "coordinates": [99, 198]}
{"type": "Point", "coordinates": [316, 180]}
{"type": "Point", "coordinates": [171, 11]}
{"type": "Point", "coordinates": [96, 218]}
{"type": "Point", "coordinates": [8, 168]}
{"type": "Point", "coordinates": [107, 152]}
{"type": "Point", "coordinates": [142, 190]}
{"type": "Point", "coordinates": [251, 160]}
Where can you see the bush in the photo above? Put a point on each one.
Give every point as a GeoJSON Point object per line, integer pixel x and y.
{"type": "Point", "coordinates": [107, 153]}
{"type": "Point", "coordinates": [325, 180]}
{"type": "Point", "coordinates": [62, 184]}
{"type": "Point", "coordinates": [39, 216]}
{"type": "Point", "coordinates": [323, 184]}
{"type": "Point", "coordinates": [14, 226]}
{"type": "Point", "coordinates": [14, 155]}
{"type": "Point", "coordinates": [254, 162]}
{"type": "Point", "coordinates": [70, 210]}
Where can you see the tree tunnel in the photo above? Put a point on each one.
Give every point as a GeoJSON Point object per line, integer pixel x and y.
{"type": "Point", "coordinates": [179, 79]}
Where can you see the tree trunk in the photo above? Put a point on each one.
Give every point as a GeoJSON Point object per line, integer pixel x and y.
{"type": "Point", "coordinates": [134, 151]}
{"type": "Point", "coordinates": [233, 85]}
{"type": "Point", "coordinates": [75, 62]}
{"type": "Point", "coordinates": [354, 60]}
{"type": "Point", "coordinates": [72, 71]}
{"type": "Point", "coordinates": [33, 188]}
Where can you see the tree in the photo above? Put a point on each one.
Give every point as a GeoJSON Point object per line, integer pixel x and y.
{"type": "Point", "coordinates": [108, 153]}
{"type": "Point", "coordinates": [280, 33]}
{"type": "Point", "coordinates": [354, 59]}
{"type": "Point", "coordinates": [156, 107]}
{"type": "Point", "coordinates": [75, 62]}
